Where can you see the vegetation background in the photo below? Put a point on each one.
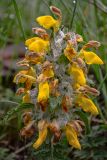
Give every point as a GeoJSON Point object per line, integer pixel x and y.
{"type": "Point", "coordinates": [85, 17]}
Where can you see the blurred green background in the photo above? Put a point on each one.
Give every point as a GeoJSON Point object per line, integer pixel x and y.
{"type": "Point", "coordinates": [85, 17]}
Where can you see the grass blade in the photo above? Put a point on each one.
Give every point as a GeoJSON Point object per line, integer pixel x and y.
{"type": "Point", "coordinates": [19, 18]}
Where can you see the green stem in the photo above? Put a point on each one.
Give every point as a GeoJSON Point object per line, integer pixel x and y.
{"type": "Point", "coordinates": [19, 18]}
{"type": "Point", "coordinates": [102, 82]}
{"type": "Point", "coordinates": [52, 150]}
{"type": "Point", "coordinates": [100, 112]}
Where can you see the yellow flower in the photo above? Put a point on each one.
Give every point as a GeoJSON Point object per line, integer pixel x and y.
{"type": "Point", "coordinates": [90, 57]}
{"type": "Point", "coordinates": [47, 70]}
{"type": "Point", "coordinates": [42, 134]}
{"type": "Point", "coordinates": [26, 76]}
{"type": "Point", "coordinates": [43, 91]}
{"type": "Point", "coordinates": [31, 72]}
{"type": "Point", "coordinates": [71, 135]}
{"type": "Point", "coordinates": [26, 98]}
{"type": "Point", "coordinates": [29, 41]}
{"type": "Point", "coordinates": [86, 104]}
{"type": "Point", "coordinates": [76, 86]}
{"type": "Point", "coordinates": [77, 74]}
{"type": "Point", "coordinates": [37, 45]}
{"type": "Point", "coordinates": [19, 77]}
{"type": "Point", "coordinates": [48, 73]}
{"type": "Point", "coordinates": [34, 58]}
{"type": "Point", "coordinates": [48, 22]}
{"type": "Point", "coordinates": [70, 52]}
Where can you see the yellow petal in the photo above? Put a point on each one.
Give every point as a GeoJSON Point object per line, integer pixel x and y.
{"type": "Point", "coordinates": [31, 72]}
{"type": "Point", "coordinates": [42, 136]}
{"type": "Point", "coordinates": [70, 52]}
{"type": "Point", "coordinates": [72, 137]}
{"type": "Point", "coordinates": [41, 139]}
{"type": "Point", "coordinates": [26, 98]}
{"type": "Point", "coordinates": [18, 78]}
{"type": "Point", "coordinates": [39, 46]}
{"type": "Point", "coordinates": [48, 73]}
{"type": "Point", "coordinates": [76, 85]}
{"type": "Point", "coordinates": [90, 57]}
{"type": "Point", "coordinates": [28, 84]}
{"type": "Point", "coordinates": [29, 41]}
{"type": "Point", "coordinates": [43, 91]}
{"type": "Point", "coordinates": [24, 75]}
{"type": "Point", "coordinates": [34, 58]}
{"type": "Point", "coordinates": [77, 74]}
{"type": "Point", "coordinates": [86, 104]}
{"type": "Point", "coordinates": [47, 21]}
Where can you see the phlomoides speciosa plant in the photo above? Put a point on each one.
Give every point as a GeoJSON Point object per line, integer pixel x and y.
{"type": "Point", "coordinates": [54, 77]}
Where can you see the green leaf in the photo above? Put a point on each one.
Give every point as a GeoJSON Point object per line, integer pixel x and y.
{"type": "Point", "coordinates": [17, 109]}
{"type": "Point", "coordinates": [7, 103]}
{"type": "Point", "coordinates": [54, 102]}
{"type": "Point", "coordinates": [84, 118]}
{"type": "Point", "coordinates": [63, 59]}
{"type": "Point", "coordinates": [103, 126]}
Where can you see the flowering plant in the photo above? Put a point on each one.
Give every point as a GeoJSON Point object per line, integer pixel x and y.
{"type": "Point", "coordinates": [55, 81]}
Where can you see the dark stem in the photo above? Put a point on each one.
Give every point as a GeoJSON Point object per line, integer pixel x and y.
{"type": "Point", "coordinates": [75, 6]}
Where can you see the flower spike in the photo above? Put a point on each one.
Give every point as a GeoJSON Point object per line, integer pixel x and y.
{"type": "Point", "coordinates": [55, 80]}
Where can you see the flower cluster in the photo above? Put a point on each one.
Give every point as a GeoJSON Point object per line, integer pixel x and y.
{"type": "Point", "coordinates": [55, 80]}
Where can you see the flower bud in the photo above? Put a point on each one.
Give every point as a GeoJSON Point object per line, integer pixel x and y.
{"type": "Point", "coordinates": [28, 130]}
{"type": "Point", "coordinates": [92, 90]}
{"type": "Point", "coordinates": [41, 32]}
{"type": "Point", "coordinates": [56, 11]}
{"type": "Point", "coordinates": [20, 91]}
{"type": "Point", "coordinates": [92, 43]}
{"type": "Point", "coordinates": [79, 38]}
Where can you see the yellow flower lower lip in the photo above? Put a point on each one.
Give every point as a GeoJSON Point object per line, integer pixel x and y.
{"type": "Point", "coordinates": [46, 21]}
{"type": "Point", "coordinates": [21, 78]}
{"type": "Point", "coordinates": [29, 41]}
{"type": "Point", "coordinates": [42, 134]}
{"type": "Point", "coordinates": [48, 73]}
{"type": "Point", "coordinates": [41, 139]}
{"type": "Point", "coordinates": [43, 91]}
{"type": "Point", "coordinates": [28, 77]}
{"type": "Point", "coordinates": [37, 45]}
{"type": "Point", "coordinates": [70, 53]}
{"type": "Point", "coordinates": [86, 104]}
{"type": "Point", "coordinates": [90, 57]}
{"type": "Point", "coordinates": [77, 74]}
{"type": "Point", "coordinates": [72, 137]}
